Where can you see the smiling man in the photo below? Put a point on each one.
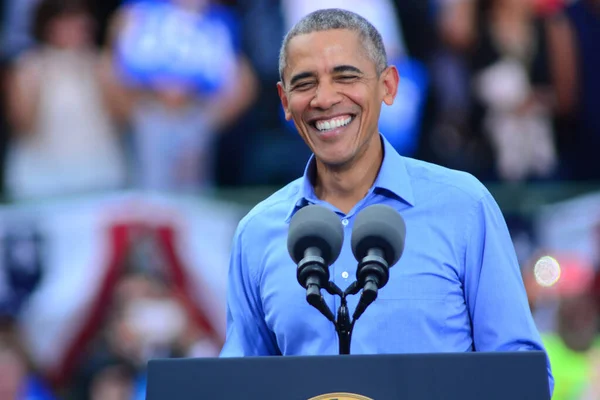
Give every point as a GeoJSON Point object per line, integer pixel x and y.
{"type": "Point", "coordinates": [458, 285]}
{"type": "Point", "coordinates": [333, 83]}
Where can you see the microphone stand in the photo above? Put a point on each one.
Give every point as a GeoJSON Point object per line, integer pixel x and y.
{"type": "Point", "coordinates": [343, 325]}
{"type": "Point", "coordinates": [372, 276]}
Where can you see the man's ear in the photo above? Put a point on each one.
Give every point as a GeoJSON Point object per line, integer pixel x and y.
{"type": "Point", "coordinates": [284, 100]}
{"type": "Point", "coordinates": [390, 82]}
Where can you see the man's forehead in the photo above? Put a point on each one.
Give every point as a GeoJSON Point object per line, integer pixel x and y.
{"type": "Point", "coordinates": [325, 50]}
{"type": "Point", "coordinates": [331, 39]}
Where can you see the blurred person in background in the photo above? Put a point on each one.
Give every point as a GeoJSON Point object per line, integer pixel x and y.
{"type": "Point", "coordinates": [511, 90]}
{"type": "Point", "coordinates": [501, 74]}
{"type": "Point", "coordinates": [18, 380]}
{"type": "Point", "coordinates": [450, 141]}
{"type": "Point", "coordinates": [239, 152]}
{"type": "Point", "coordinates": [185, 79]}
{"type": "Point", "coordinates": [113, 380]}
{"type": "Point", "coordinates": [575, 347]}
{"type": "Point", "coordinates": [107, 378]}
{"type": "Point", "coordinates": [65, 138]}
{"type": "Point", "coordinates": [147, 308]}
{"type": "Point", "coordinates": [573, 340]}
{"type": "Point", "coordinates": [147, 319]}
{"type": "Point", "coordinates": [574, 38]}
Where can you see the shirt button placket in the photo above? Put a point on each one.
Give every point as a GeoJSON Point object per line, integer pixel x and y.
{"type": "Point", "coordinates": [345, 223]}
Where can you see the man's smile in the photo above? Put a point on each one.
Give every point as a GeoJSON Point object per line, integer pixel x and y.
{"type": "Point", "coordinates": [331, 127]}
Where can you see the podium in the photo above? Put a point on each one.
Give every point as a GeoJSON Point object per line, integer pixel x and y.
{"type": "Point", "coordinates": [447, 376]}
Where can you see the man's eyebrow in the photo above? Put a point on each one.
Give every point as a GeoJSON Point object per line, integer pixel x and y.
{"type": "Point", "coordinates": [336, 70]}
{"type": "Point", "coordinates": [346, 68]}
{"type": "Point", "coordinates": [300, 76]}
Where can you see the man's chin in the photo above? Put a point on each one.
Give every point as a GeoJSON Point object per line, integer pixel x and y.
{"type": "Point", "coordinates": [335, 161]}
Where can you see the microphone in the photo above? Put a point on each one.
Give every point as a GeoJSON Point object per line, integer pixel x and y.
{"type": "Point", "coordinates": [315, 238]}
{"type": "Point", "coordinates": [377, 241]}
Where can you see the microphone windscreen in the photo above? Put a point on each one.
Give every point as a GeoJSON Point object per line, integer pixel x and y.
{"type": "Point", "coordinates": [379, 226]}
{"type": "Point", "coordinates": [315, 226]}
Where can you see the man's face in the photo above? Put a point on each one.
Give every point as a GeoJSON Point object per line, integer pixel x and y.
{"type": "Point", "coordinates": [333, 94]}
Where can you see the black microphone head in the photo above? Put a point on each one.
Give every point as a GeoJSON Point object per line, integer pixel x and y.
{"type": "Point", "coordinates": [315, 226]}
{"type": "Point", "coordinates": [379, 226]}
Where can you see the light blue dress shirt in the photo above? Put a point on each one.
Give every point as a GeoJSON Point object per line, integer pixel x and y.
{"type": "Point", "coordinates": [457, 287]}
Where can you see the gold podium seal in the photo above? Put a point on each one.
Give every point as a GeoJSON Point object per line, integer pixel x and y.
{"type": "Point", "coordinates": [340, 396]}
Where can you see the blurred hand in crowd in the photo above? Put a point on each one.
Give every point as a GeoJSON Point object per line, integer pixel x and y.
{"type": "Point", "coordinates": [13, 374]}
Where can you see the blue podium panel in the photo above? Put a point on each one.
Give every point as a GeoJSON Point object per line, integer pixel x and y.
{"type": "Point", "coordinates": [464, 376]}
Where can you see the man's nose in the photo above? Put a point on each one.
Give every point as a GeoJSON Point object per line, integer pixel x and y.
{"type": "Point", "coordinates": [326, 96]}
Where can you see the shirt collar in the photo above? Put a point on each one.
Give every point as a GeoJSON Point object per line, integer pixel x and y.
{"type": "Point", "coordinates": [392, 179]}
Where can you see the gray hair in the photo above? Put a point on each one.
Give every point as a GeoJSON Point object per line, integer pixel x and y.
{"type": "Point", "coordinates": [335, 18]}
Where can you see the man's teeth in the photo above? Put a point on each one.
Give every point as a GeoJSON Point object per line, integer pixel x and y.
{"type": "Point", "coordinates": [333, 123]}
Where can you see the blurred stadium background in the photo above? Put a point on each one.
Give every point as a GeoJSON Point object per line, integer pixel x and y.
{"type": "Point", "coordinates": [135, 134]}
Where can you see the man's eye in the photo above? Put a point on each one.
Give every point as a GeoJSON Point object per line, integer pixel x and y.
{"type": "Point", "coordinates": [347, 78]}
{"type": "Point", "coordinates": [303, 86]}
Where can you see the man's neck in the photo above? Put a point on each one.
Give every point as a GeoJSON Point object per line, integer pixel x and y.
{"type": "Point", "coordinates": [345, 187]}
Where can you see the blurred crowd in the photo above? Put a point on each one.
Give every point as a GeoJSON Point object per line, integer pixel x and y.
{"type": "Point", "coordinates": [179, 96]}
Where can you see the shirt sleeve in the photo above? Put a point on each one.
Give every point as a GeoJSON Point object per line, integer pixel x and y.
{"type": "Point", "coordinates": [247, 333]}
{"type": "Point", "coordinates": [494, 289]}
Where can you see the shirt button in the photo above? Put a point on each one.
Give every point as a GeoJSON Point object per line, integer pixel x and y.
{"type": "Point", "coordinates": [345, 275]}
{"type": "Point", "coordinates": [345, 222]}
